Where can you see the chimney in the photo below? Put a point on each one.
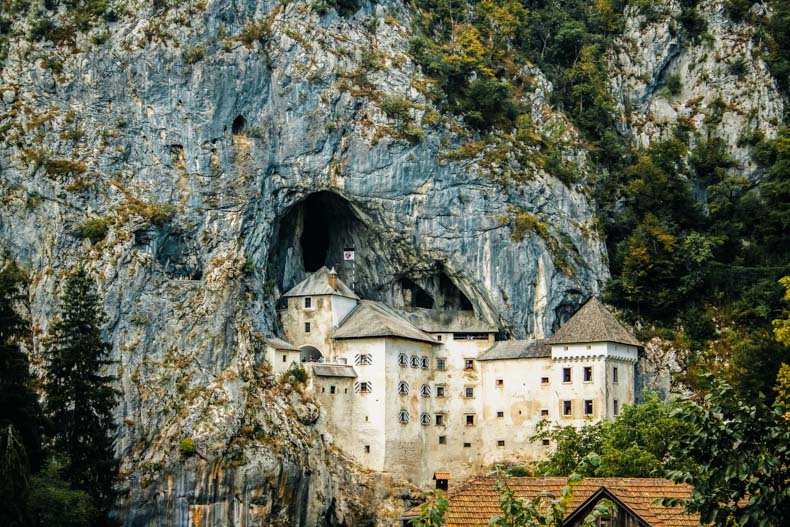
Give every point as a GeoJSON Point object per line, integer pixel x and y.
{"type": "Point", "coordinates": [333, 278]}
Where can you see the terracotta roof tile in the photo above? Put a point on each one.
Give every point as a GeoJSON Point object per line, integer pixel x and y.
{"type": "Point", "coordinates": [475, 502]}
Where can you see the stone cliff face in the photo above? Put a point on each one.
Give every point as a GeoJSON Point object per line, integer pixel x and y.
{"type": "Point", "coordinates": [239, 145]}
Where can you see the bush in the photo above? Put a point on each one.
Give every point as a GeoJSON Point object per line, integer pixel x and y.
{"type": "Point", "coordinates": [396, 106]}
{"type": "Point", "coordinates": [53, 503]}
{"type": "Point", "coordinates": [93, 229]}
{"type": "Point", "coordinates": [195, 54]}
{"type": "Point", "coordinates": [674, 84]}
{"type": "Point", "coordinates": [187, 447]}
{"type": "Point", "coordinates": [737, 67]}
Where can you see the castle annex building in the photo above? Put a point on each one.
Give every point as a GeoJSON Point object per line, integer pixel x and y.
{"type": "Point", "coordinates": [419, 392]}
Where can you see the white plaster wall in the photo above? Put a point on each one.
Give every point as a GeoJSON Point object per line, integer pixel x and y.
{"type": "Point", "coordinates": [320, 316]}
{"type": "Point", "coordinates": [275, 358]}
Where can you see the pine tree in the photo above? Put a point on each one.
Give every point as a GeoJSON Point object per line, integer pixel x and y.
{"type": "Point", "coordinates": [80, 399]}
{"type": "Point", "coordinates": [20, 413]}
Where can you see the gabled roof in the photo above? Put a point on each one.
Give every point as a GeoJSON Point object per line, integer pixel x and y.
{"type": "Point", "coordinates": [475, 502]}
{"type": "Point", "coordinates": [334, 370]}
{"type": "Point", "coordinates": [517, 349]}
{"type": "Point", "coordinates": [435, 321]}
{"type": "Point", "coordinates": [374, 319]}
{"type": "Point", "coordinates": [318, 284]}
{"type": "Point", "coordinates": [280, 344]}
{"type": "Point", "coordinates": [593, 322]}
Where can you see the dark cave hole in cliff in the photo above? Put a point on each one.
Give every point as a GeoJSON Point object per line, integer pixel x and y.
{"type": "Point", "coordinates": [315, 231]}
{"type": "Point", "coordinates": [239, 124]}
{"type": "Point", "coordinates": [414, 295]}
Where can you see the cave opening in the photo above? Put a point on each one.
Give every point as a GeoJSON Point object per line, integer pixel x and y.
{"type": "Point", "coordinates": [415, 296]}
{"type": "Point", "coordinates": [179, 257]}
{"type": "Point", "coordinates": [239, 124]}
{"type": "Point", "coordinates": [315, 232]}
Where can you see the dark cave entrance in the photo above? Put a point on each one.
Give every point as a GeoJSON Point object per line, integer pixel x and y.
{"type": "Point", "coordinates": [320, 211]}
{"type": "Point", "coordinates": [315, 231]}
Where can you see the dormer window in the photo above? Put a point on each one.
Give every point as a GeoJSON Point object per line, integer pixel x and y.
{"type": "Point", "coordinates": [308, 302]}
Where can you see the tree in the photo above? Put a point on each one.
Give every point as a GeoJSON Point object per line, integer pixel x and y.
{"type": "Point", "coordinates": [636, 444]}
{"type": "Point", "coordinates": [20, 413]}
{"type": "Point", "coordinates": [743, 454]}
{"type": "Point", "coordinates": [80, 399]}
{"type": "Point", "coordinates": [53, 503]}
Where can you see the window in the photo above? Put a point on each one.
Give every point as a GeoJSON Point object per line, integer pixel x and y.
{"type": "Point", "coordinates": [470, 419]}
{"type": "Point", "coordinates": [544, 380]}
{"type": "Point", "coordinates": [500, 414]}
{"type": "Point", "coordinates": [566, 375]}
{"type": "Point", "coordinates": [365, 359]}
{"type": "Point", "coordinates": [403, 417]}
{"type": "Point", "coordinates": [308, 302]}
{"type": "Point", "coordinates": [367, 449]}
{"type": "Point", "coordinates": [439, 390]}
{"type": "Point", "coordinates": [467, 445]}
{"type": "Point", "coordinates": [425, 390]}
{"type": "Point", "coordinates": [588, 374]}
{"type": "Point", "coordinates": [469, 392]}
{"type": "Point", "coordinates": [425, 419]}
{"type": "Point", "coordinates": [439, 419]}
{"type": "Point", "coordinates": [567, 408]}
{"type": "Point", "coordinates": [403, 388]}
{"type": "Point", "coordinates": [566, 348]}
{"type": "Point", "coordinates": [500, 383]}
{"type": "Point", "coordinates": [424, 363]}
{"type": "Point", "coordinates": [323, 389]}
{"type": "Point", "coordinates": [588, 407]}
{"type": "Point", "coordinates": [363, 387]}
{"type": "Point", "coordinates": [403, 360]}
{"type": "Point", "coordinates": [589, 347]}
{"type": "Point", "coordinates": [544, 412]}
{"type": "Point", "coordinates": [469, 364]}
{"type": "Point", "coordinates": [441, 364]}
{"type": "Point", "coordinates": [284, 357]}
{"type": "Point", "coordinates": [614, 375]}
{"type": "Point", "coordinates": [442, 440]}
{"type": "Point", "coordinates": [307, 327]}
{"type": "Point", "coordinates": [616, 407]}
{"type": "Point", "coordinates": [415, 361]}
{"type": "Point", "coordinates": [546, 442]}
{"type": "Point", "coordinates": [332, 390]}
{"type": "Point", "coordinates": [500, 442]}
{"type": "Point", "coordinates": [439, 338]}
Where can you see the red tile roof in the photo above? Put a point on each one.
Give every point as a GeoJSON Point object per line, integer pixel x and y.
{"type": "Point", "coordinates": [475, 502]}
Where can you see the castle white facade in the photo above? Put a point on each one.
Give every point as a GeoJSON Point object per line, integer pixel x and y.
{"type": "Point", "coordinates": [421, 392]}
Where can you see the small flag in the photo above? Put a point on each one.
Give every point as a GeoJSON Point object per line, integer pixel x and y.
{"type": "Point", "coordinates": [348, 254]}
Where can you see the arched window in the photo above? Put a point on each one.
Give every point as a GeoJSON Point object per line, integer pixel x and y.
{"type": "Point", "coordinates": [403, 388]}
{"type": "Point", "coordinates": [415, 361]}
{"type": "Point", "coordinates": [425, 390]}
{"type": "Point", "coordinates": [403, 417]}
{"type": "Point", "coordinates": [424, 363]}
{"type": "Point", "coordinates": [403, 360]}
{"type": "Point", "coordinates": [425, 419]}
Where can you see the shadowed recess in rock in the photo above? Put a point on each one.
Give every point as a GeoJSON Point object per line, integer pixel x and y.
{"type": "Point", "coordinates": [314, 233]}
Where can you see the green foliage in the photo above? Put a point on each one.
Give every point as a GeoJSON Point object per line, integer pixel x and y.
{"type": "Point", "coordinates": [93, 229]}
{"type": "Point", "coordinates": [674, 84]}
{"type": "Point", "coordinates": [187, 447]}
{"type": "Point", "coordinates": [14, 477]}
{"type": "Point", "coordinates": [53, 503]}
{"type": "Point", "coordinates": [64, 167]}
{"type": "Point", "coordinates": [258, 31]}
{"type": "Point", "coordinates": [80, 399]}
{"type": "Point", "coordinates": [249, 264]}
{"type": "Point", "coordinates": [396, 106]}
{"type": "Point", "coordinates": [545, 509]}
{"type": "Point", "coordinates": [636, 444]}
{"type": "Point", "coordinates": [194, 54]}
{"type": "Point", "coordinates": [743, 453]}
{"type": "Point", "coordinates": [432, 512]}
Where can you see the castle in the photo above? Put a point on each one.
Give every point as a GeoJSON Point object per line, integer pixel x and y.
{"type": "Point", "coordinates": [428, 395]}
